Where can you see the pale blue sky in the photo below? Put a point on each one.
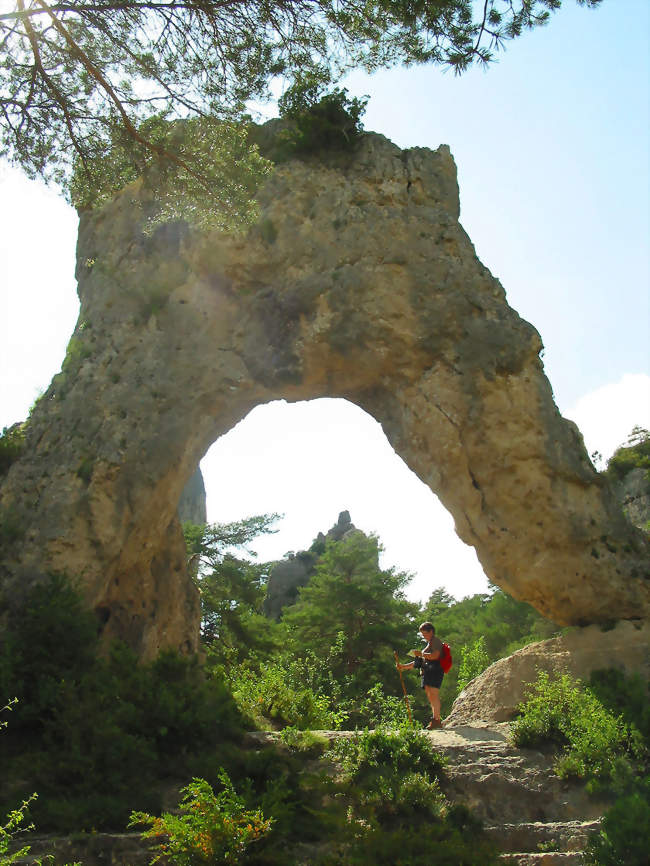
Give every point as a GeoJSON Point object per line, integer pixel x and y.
{"type": "Point", "coordinates": [552, 151]}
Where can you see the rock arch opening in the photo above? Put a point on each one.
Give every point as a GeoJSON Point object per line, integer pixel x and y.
{"type": "Point", "coordinates": [367, 289]}
{"type": "Point", "coordinates": [310, 460]}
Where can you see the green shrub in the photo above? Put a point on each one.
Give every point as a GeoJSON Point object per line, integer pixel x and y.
{"type": "Point", "coordinates": [474, 660]}
{"type": "Point", "coordinates": [310, 742]}
{"type": "Point", "coordinates": [277, 694]}
{"type": "Point", "coordinates": [396, 813]}
{"type": "Point", "coordinates": [381, 710]}
{"type": "Point", "coordinates": [319, 122]}
{"type": "Point", "coordinates": [12, 445]}
{"type": "Point", "coordinates": [14, 821]}
{"type": "Point", "coordinates": [76, 353]}
{"type": "Point", "coordinates": [210, 829]}
{"type": "Point", "coordinates": [396, 752]}
{"type": "Point", "coordinates": [624, 835]}
{"type": "Point", "coordinates": [84, 719]}
{"type": "Point", "coordinates": [635, 454]}
{"type": "Point", "coordinates": [563, 712]}
{"type": "Point", "coordinates": [434, 843]}
{"type": "Point", "coordinates": [628, 696]}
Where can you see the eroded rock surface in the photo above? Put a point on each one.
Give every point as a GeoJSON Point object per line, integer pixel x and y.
{"type": "Point", "coordinates": [495, 694]}
{"type": "Point", "coordinates": [633, 492]}
{"type": "Point", "coordinates": [357, 282]}
{"type": "Point", "coordinates": [288, 575]}
{"type": "Point", "coordinates": [192, 506]}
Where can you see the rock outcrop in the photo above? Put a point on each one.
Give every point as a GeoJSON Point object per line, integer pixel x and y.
{"type": "Point", "coordinates": [495, 694]}
{"type": "Point", "coordinates": [633, 492]}
{"type": "Point", "coordinates": [358, 281]}
{"type": "Point", "coordinates": [525, 807]}
{"type": "Point", "coordinates": [288, 575]}
{"type": "Point", "coordinates": [192, 505]}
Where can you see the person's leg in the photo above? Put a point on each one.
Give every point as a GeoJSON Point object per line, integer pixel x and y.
{"type": "Point", "coordinates": [433, 696]}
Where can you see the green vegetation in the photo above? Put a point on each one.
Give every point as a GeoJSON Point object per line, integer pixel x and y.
{"type": "Point", "coordinates": [562, 712]}
{"type": "Point", "coordinates": [211, 828]}
{"type": "Point", "coordinates": [474, 660]}
{"type": "Point", "coordinates": [81, 717]}
{"type": "Point", "coordinates": [635, 454]}
{"type": "Point", "coordinates": [603, 733]}
{"type": "Point", "coordinates": [93, 95]}
{"type": "Point", "coordinates": [354, 612]}
{"type": "Point", "coordinates": [390, 776]}
{"type": "Point", "coordinates": [146, 729]}
{"type": "Point", "coordinates": [12, 445]}
{"type": "Point", "coordinates": [329, 661]}
{"type": "Point", "coordinates": [14, 821]}
{"type": "Point", "coordinates": [75, 354]}
{"type": "Point", "coordinates": [624, 833]}
{"type": "Point", "coordinates": [330, 121]}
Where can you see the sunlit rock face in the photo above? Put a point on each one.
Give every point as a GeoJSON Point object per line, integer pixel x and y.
{"type": "Point", "coordinates": [358, 281]}
{"type": "Point", "coordinates": [495, 695]}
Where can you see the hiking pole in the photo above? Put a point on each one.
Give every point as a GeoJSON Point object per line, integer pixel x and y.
{"type": "Point", "coordinates": [406, 697]}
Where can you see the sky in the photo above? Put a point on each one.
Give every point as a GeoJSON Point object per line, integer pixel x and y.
{"type": "Point", "coordinates": [553, 155]}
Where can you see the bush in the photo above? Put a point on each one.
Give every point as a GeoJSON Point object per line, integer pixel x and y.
{"type": "Point", "coordinates": [436, 843]}
{"type": "Point", "coordinates": [82, 718]}
{"type": "Point", "coordinates": [12, 445]}
{"type": "Point", "coordinates": [563, 712]}
{"type": "Point", "coordinates": [319, 122]}
{"type": "Point", "coordinates": [624, 836]}
{"type": "Point", "coordinates": [380, 710]}
{"type": "Point", "coordinates": [474, 661]}
{"type": "Point", "coordinates": [397, 814]}
{"type": "Point", "coordinates": [211, 828]}
{"type": "Point", "coordinates": [395, 752]}
{"type": "Point", "coordinates": [634, 455]}
{"type": "Point", "coordinates": [277, 694]}
{"type": "Point", "coordinates": [628, 696]}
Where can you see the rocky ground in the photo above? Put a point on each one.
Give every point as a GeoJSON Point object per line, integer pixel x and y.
{"type": "Point", "coordinates": [536, 818]}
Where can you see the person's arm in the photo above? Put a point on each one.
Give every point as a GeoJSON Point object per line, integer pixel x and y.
{"type": "Point", "coordinates": [431, 657]}
{"type": "Point", "coordinates": [406, 667]}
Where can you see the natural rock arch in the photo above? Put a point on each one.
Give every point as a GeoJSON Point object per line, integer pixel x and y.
{"type": "Point", "coordinates": [358, 281]}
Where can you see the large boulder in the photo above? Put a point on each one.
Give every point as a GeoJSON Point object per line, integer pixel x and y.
{"type": "Point", "coordinates": [495, 694]}
{"type": "Point", "coordinates": [357, 281]}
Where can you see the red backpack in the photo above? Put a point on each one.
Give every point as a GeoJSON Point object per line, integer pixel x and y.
{"type": "Point", "coordinates": [445, 658]}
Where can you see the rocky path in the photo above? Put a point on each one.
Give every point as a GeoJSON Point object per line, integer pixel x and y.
{"type": "Point", "coordinates": [536, 818]}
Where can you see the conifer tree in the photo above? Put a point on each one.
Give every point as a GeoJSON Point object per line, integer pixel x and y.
{"type": "Point", "coordinates": [95, 92]}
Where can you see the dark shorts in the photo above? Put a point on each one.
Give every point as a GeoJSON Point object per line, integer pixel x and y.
{"type": "Point", "coordinates": [432, 675]}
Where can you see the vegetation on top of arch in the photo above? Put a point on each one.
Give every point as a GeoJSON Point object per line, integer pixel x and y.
{"type": "Point", "coordinates": [634, 454]}
{"type": "Point", "coordinates": [95, 92]}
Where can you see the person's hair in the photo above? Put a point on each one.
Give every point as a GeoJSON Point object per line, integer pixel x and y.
{"type": "Point", "coordinates": [427, 626]}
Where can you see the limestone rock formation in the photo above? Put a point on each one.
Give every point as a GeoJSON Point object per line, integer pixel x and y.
{"type": "Point", "coordinates": [494, 695]}
{"type": "Point", "coordinates": [358, 281]}
{"type": "Point", "coordinates": [526, 808]}
{"type": "Point", "coordinates": [633, 492]}
{"type": "Point", "coordinates": [192, 505]}
{"type": "Point", "coordinates": [288, 575]}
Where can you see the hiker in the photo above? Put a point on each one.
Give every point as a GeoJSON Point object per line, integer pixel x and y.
{"type": "Point", "coordinates": [426, 661]}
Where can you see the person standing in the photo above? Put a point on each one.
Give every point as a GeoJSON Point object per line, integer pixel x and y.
{"type": "Point", "coordinates": [427, 662]}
